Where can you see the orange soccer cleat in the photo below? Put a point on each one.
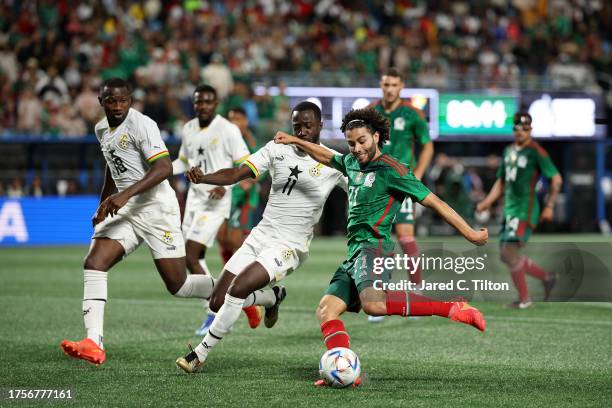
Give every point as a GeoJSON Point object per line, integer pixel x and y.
{"type": "Point", "coordinates": [254, 314]}
{"type": "Point", "coordinates": [85, 349]}
{"type": "Point", "coordinates": [464, 313]}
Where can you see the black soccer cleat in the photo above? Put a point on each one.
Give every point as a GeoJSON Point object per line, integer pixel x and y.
{"type": "Point", "coordinates": [272, 312]}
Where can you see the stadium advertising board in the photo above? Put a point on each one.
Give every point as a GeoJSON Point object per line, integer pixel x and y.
{"type": "Point", "coordinates": [564, 115]}
{"type": "Point", "coordinates": [337, 102]}
{"type": "Point", "coordinates": [47, 221]}
{"type": "Point", "coordinates": [476, 114]}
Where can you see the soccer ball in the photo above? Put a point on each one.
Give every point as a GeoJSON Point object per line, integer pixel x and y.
{"type": "Point", "coordinates": [339, 367]}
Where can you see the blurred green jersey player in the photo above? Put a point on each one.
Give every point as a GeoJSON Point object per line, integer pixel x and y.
{"type": "Point", "coordinates": [522, 164]}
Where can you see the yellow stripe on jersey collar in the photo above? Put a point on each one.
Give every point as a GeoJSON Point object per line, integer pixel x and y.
{"type": "Point", "coordinates": [157, 156]}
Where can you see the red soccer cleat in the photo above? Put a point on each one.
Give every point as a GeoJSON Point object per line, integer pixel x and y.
{"type": "Point", "coordinates": [85, 349]}
{"type": "Point", "coordinates": [464, 313]}
{"type": "Point", "coordinates": [254, 315]}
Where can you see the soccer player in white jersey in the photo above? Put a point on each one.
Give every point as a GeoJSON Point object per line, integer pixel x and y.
{"type": "Point", "coordinates": [136, 204]}
{"type": "Point", "coordinates": [212, 143]}
{"type": "Point", "coordinates": [279, 244]}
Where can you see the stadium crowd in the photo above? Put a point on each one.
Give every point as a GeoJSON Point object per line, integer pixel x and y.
{"type": "Point", "coordinates": [53, 54]}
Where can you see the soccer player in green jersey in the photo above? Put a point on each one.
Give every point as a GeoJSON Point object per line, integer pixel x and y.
{"type": "Point", "coordinates": [378, 184]}
{"type": "Point", "coordinates": [522, 164]}
{"type": "Point", "coordinates": [408, 128]}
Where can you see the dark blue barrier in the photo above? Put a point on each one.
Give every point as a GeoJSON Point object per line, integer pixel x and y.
{"type": "Point", "coordinates": [46, 221]}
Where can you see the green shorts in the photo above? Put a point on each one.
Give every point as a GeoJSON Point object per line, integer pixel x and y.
{"type": "Point", "coordinates": [405, 215]}
{"type": "Point", "coordinates": [355, 275]}
{"type": "Point", "coordinates": [515, 230]}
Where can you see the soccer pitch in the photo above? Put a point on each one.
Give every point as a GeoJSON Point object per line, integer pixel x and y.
{"type": "Point", "coordinates": [551, 355]}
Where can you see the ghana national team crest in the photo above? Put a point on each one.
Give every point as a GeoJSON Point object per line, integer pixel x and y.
{"type": "Point", "coordinates": [315, 170]}
{"type": "Point", "coordinates": [167, 238]}
{"type": "Point", "coordinates": [124, 142]}
{"type": "Point", "coordinates": [287, 254]}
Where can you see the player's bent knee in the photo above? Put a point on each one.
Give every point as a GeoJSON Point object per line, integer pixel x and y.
{"type": "Point", "coordinates": [373, 309]}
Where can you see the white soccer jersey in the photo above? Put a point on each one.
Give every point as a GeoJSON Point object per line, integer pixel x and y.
{"type": "Point", "coordinates": [218, 146]}
{"type": "Point", "coordinates": [300, 186]}
{"type": "Point", "coordinates": [129, 150]}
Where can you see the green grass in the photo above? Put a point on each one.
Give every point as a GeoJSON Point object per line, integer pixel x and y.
{"type": "Point", "coordinates": [551, 355]}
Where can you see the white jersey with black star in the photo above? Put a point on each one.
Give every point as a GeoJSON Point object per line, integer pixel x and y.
{"type": "Point", "coordinates": [300, 187]}
{"type": "Point", "coordinates": [129, 150]}
{"type": "Point", "coordinates": [218, 146]}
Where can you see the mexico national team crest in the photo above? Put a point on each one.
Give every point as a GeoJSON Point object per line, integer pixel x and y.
{"type": "Point", "coordinates": [124, 142]}
{"type": "Point", "coordinates": [399, 124]}
{"type": "Point", "coordinates": [315, 171]}
{"type": "Point", "coordinates": [369, 180]}
{"type": "Point", "coordinates": [167, 238]}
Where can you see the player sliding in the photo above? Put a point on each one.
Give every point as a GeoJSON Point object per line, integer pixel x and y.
{"type": "Point", "coordinates": [521, 166]}
{"type": "Point", "coordinates": [145, 208]}
{"type": "Point", "coordinates": [377, 186]}
{"type": "Point", "coordinates": [279, 243]}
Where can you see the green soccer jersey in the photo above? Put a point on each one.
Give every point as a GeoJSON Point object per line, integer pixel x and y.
{"type": "Point", "coordinates": [376, 192]}
{"type": "Point", "coordinates": [408, 127]}
{"type": "Point", "coordinates": [520, 170]}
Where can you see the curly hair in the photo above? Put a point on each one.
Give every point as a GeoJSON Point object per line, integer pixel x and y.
{"type": "Point", "coordinates": [370, 119]}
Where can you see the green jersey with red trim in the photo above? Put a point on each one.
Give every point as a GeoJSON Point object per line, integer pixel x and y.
{"type": "Point", "coordinates": [376, 192]}
{"type": "Point", "coordinates": [520, 170]}
{"type": "Point", "coordinates": [408, 127]}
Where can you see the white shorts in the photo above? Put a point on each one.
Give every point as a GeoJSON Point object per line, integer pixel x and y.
{"type": "Point", "coordinates": [279, 259]}
{"type": "Point", "coordinates": [202, 226]}
{"type": "Point", "coordinates": [156, 224]}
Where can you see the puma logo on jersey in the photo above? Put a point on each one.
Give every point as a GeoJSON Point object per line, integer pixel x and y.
{"type": "Point", "coordinates": [86, 311]}
{"type": "Point", "coordinates": [280, 158]}
{"type": "Point", "coordinates": [279, 263]}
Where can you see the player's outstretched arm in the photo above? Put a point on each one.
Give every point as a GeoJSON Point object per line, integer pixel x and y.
{"type": "Point", "coordinates": [496, 191]}
{"type": "Point", "coordinates": [317, 152]}
{"type": "Point", "coordinates": [455, 220]}
{"type": "Point", "coordinates": [223, 177]}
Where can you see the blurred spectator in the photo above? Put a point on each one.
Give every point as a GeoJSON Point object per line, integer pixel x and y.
{"type": "Point", "coordinates": [88, 106]}
{"type": "Point", "coordinates": [15, 188]}
{"type": "Point", "coordinates": [36, 188]}
{"type": "Point", "coordinates": [219, 76]}
{"type": "Point", "coordinates": [29, 112]}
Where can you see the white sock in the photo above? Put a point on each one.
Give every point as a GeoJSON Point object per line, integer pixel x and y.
{"type": "Point", "coordinates": [95, 294]}
{"type": "Point", "coordinates": [262, 297]}
{"type": "Point", "coordinates": [196, 286]}
{"type": "Point", "coordinates": [204, 266]}
{"type": "Point", "coordinates": [226, 317]}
